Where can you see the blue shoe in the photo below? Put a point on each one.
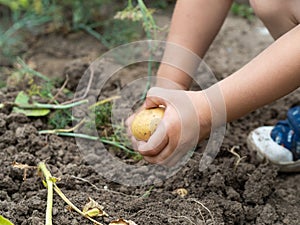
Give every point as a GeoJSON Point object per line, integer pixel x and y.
{"type": "Point", "coordinates": [279, 144]}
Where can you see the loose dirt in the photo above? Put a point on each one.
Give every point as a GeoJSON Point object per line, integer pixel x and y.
{"type": "Point", "coordinates": [254, 193]}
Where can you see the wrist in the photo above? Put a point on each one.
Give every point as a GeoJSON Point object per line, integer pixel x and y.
{"type": "Point", "coordinates": [163, 82]}
{"type": "Point", "coordinates": [203, 111]}
{"type": "Point", "coordinates": [172, 78]}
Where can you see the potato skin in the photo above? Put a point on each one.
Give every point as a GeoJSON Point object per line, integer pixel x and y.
{"type": "Point", "coordinates": [145, 123]}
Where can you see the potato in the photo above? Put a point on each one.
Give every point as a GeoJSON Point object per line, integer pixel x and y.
{"type": "Point", "coordinates": [145, 123]}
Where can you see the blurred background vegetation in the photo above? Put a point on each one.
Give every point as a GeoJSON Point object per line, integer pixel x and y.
{"type": "Point", "coordinates": [111, 22]}
{"type": "Point", "coordinates": [22, 20]}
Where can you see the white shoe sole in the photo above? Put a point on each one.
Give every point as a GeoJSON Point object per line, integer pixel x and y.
{"type": "Point", "coordinates": [261, 142]}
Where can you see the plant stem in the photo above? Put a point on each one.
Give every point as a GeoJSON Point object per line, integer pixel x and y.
{"type": "Point", "coordinates": [149, 24]}
{"type": "Point", "coordinates": [149, 77]}
{"type": "Point", "coordinates": [105, 101]}
{"type": "Point", "coordinates": [31, 71]}
{"type": "Point", "coordinates": [89, 137]}
{"type": "Point", "coordinates": [50, 186]}
{"type": "Point", "coordinates": [84, 136]}
{"type": "Point", "coordinates": [148, 192]}
{"type": "Point", "coordinates": [130, 4]}
{"type": "Point", "coordinates": [117, 144]}
{"type": "Point", "coordinates": [49, 181]}
{"type": "Point", "coordinates": [56, 131]}
{"type": "Point", "coordinates": [59, 192]}
{"type": "Point", "coordinates": [50, 106]}
{"type": "Point", "coordinates": [95, 34]}
{"type": "Point", "coordinates": [148, 20]}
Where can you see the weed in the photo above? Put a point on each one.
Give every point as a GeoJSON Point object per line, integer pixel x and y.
{"type": "Point", "coordinates": [242, 10]}
{"type": "Point", "coordinates": [43, 90]}
{"type": "Point", "coordinates": [89, 211]}
{"type": "Point", "coordinates": [10, 38]}
{"type": "Point", "coordinates": [24, 68]}
{"type": "Point", "coordinates": [50, 183]}
{"type": "Point", "coordinates": [2, 83]}
{"type": "Point", "coordinates": [126, 26]}
{"type": "Point", "coordinates": [30, 80]}
{"type": "Point", "coordinates": [102, 115]}
{"type": "Point", "coordinates": [118, 32]}
{"type": "Point", "coordinates": [141, 13]}
{"type": "Point", "coordinates": [113, 134]}
{"type": "Point", "coordinates": [161, 4]}
{"type": "Point", "coordinates": [60, 118]}
{"type": "Point", "coordinates": [68, 15]}
{"type": "Point", "coordinates": [148, 192]}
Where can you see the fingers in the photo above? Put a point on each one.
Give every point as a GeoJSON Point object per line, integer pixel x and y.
{"type": "Point", "coordinates": [161, 158]}
{"type": "Point", "coordinates": [163, 146]}
{"type": "Point", "coordinates": [171, 155]}
{"type": "Point", "coordinates": [160, 148]}
{"type": "Point", "coordinates": [129, 120]}
{"type": "Point", "coordinates": [166, 157]}
{"type": "Point", "coordinates": [156, 143]}
{"type": "Point", "coordinates": [134, 143]}
{"type": "Point", "coordinates": [156, 97]}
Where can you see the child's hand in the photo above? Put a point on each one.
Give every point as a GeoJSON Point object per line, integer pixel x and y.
{"type": "Point", "coordinates": [179, 130]}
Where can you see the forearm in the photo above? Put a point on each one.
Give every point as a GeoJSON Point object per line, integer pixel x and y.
{"type": "Point", "coordinates": [194, 26]}
{"type": "Point", "coordinates": [272, 74]}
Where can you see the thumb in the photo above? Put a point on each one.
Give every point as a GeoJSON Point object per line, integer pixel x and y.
{"type": "Point", "coordinates": [155, 97]}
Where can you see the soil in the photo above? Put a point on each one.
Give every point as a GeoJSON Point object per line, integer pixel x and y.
{"type": "Point", "coordinates": [253, 193]}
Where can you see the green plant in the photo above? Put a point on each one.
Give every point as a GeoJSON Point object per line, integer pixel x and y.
{"type": "Point", "coordinates": [23, 105]}
{"type": "Point", "coordinates": [49, 182]}
{"type": "Point", "coordinates": [118, 32]}
{"type": "Point", "coordinates": [112, 134]}
{"type": "Point", "coordinates": [74, 15]}
{"type": "Point", "coordinates": [141, 13]}
{"type": "Point", "coordinates": [2, 84]}
{"type": "Point", "coordinates": [90, 210]}
{"type": "Point", "coordinates": [242, 10]}
{"type": "Point", "coordinates": [28, 15]}
{"type": "Point", "coordinates": [159, 4]}
{"type": "Point", "coordinates": [60, 118]}
{"type": "Point", "coordinates": [34, 83]}
{"type": "Point", "coordinates": [4, 221]}
{"type": "Point", "coordinates": [81, 15]}
{"type": "Point", "coordinates": [25, 69]}
{"type": "Point", "coordinates": [102, 115]}
{"type": "Point", "coordinates": [60, 114]}
{"type": "Point", "coordinates": [10, 38]}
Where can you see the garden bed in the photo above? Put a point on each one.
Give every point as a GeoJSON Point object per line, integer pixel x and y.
{"type": "Point", "coordinates": [251, 193]}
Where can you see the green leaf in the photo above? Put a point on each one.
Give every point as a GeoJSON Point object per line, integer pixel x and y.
{"type": "Point", "coordinates": [92, 212]}
{"type": "Point", "coordinates": [22, 99]}
{"type": "Point", "coordinates": [4, 221]}
{"type": "Point", "coordinates": [32, 112]}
